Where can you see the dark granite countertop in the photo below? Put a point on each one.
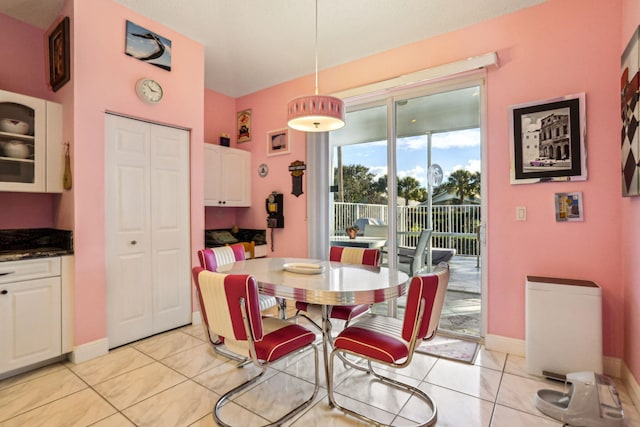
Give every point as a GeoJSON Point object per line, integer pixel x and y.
{"type": "Point", "coordinates": [27, 243]}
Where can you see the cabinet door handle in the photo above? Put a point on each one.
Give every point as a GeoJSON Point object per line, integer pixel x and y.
{"type": "Point", "coordinates": [133, 242]}
{"type": "Point", "coordinates": [4, 292]}
{"type": "Point", "coordinates": [7, 273]}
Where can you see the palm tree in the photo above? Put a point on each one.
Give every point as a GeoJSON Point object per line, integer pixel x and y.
{"type": "Point", "coordinates": [462, 183]}
{"type": "Point", "coordinates": [409, 188]}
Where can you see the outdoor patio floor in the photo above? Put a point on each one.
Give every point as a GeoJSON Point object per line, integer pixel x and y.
{"type": "Point", "coordinates": [461, 313]}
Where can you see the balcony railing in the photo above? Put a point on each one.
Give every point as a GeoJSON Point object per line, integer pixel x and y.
{"type": "Point", "coordinates": [454, 226]}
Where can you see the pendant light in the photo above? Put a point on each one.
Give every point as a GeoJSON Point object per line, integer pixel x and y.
{"type": "Point", "coordinates": [316, 113]}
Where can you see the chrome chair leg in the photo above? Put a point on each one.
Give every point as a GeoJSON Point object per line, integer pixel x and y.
{"type": "Point", "coordinates": [228, 395]}
{"type": "Point", "coordinates": [386, 380]}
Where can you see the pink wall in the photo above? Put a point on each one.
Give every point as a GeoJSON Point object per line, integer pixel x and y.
{"type": "Point", "coordinates": [545, 51]}
{"type": "Point", "coordinates": [99, 31]}
{"type": "Point", "coordinates": [630, 231]}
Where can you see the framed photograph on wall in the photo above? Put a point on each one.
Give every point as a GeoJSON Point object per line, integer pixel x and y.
{"type": "Point", "coordinates": [244, 126]}
{"type": "Point", "coordinates": [548, 140]}
{"type": "Point", "coordinates": [59, 55]}
{"type": "Point", "coordinates": [630, 82]}
{"type": "Point", "coordinates": [278, 142]}
{"type": "Point", "coordinates": [148, 46]}
{"type": "Point", "coordinates": [569, 207]}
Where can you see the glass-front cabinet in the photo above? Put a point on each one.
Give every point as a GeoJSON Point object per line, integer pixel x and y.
{"type": "Point", "coordinates": [31, 149]}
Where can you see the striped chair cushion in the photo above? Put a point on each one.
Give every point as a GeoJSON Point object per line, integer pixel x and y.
{"type": "Point", "coordinates": [221, 295]}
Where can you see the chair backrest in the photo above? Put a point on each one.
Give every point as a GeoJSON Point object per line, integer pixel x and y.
{"type": "Point", "coordinates": [212, 258]}
{"type": "Point", "coordinates": [220, 297]}
{"type": "Point", "coordinates": [429, 289]}
{"type": "Point", "coordinates": [417, 263]}
{"type": "Point", "coordinates": [249, 247]}
{"type": "Point", "coordinates": [376, 230]}
{"type": "Point", "coordinates": [348, 255]}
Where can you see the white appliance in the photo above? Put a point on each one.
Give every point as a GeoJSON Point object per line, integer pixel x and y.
{"type": "Point", "coordinates": [588, 400]}
{"type": "Point", "coordinates": [563, 326]}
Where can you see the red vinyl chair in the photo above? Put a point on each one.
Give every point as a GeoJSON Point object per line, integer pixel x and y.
{"type": "Point", "coordinates": [211, 259]}
{"type": "Point", "coordinates": [232, 302]}
{"type": "Point", "coordinates": [345, 255]}
{"type": "Point", "coordinates": [392, 342]}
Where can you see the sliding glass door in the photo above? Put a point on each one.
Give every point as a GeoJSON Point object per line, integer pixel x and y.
{"type": "Point", "coordinates": [409, 161]}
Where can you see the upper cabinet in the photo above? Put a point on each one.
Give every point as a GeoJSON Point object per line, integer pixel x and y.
{"type": "Point", "coordinates": [227, 176]}
{"type": "Point", "coordinates": [31, 149]}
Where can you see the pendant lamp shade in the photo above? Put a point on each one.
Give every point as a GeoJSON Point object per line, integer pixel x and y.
{"type": "Point", "coordinates": [315, 113]}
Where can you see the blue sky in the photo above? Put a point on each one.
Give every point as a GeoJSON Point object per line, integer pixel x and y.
{"type": "Point", "coordinates": [451, 150]}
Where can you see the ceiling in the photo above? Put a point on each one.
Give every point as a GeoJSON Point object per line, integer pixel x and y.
{"type": "Point", "coordinates": [254, 44]}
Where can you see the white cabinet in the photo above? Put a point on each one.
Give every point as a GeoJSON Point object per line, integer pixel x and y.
{"type": "Point", "coordinates": [33, 310]}
{"type": "Point", "coordinates": [31, 157]}
{"type": "Point", "coordinates": [227, 176]}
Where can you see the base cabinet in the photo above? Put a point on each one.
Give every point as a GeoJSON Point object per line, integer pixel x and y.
{"type": "Point", "coordinates": [227, 176]}
{"type": "Point", "coordinates": [31, 312]}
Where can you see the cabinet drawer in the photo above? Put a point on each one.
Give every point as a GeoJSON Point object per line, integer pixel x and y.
{"type": "Point", "coordinates": [29, 269]}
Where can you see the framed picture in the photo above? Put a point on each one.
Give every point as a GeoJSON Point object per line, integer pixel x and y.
{"type": "Point", "coordinates": [148, 46]}
{"type": "Point", "coordinates": [278, 142]}
{"type": "Point", "coordinates": [548, 140]}
{"type": "Point", "coordinates": [59, 56]}
{"type": "Point", "coordinates": [569, 207]}
{"type": "Point", "coordinates": [244, 126]}
{"type": "Point", "coordinates": [630, 82]}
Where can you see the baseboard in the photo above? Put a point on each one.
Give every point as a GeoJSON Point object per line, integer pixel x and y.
{"type": "Point", "coordinates": [612, 366]}
{"type": "Point", "coordinates": [196, 318]}
{"type": "Point", "coordinates": [632, 384]}
{"type": "Point", "coordinates": [89, 351]}
{"type": "Point", "coordinates": [504, 344]}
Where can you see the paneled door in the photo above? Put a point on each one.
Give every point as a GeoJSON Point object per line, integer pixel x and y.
{"type": "Point", "coordinates": [147, 229]}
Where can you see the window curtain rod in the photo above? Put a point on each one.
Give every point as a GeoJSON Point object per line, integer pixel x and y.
{"type": "Point", "coordinates": [428, 74]}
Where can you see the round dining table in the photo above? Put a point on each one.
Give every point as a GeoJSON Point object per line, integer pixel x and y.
{"type": "Point", "coordinates": [322, 282]}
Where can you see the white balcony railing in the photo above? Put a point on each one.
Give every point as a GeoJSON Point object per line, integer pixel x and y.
{"type": "Point", "coordinates": [454, 226]}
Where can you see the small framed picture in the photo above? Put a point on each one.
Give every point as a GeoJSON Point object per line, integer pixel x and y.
{"type": "Point", "coordinates": [244, 126]}
{"type": "Point", "coordinates": [569, 207]}
{"type": "Point", "coordinates": [548, 140]}
{"type": "Point", "coordinates": [59, 56]}
{"type": "Point", "coordinates": [278, 142]}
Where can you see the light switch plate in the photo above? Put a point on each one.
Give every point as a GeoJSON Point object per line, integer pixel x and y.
{"type": "Point", "coordinates": [521, 213]}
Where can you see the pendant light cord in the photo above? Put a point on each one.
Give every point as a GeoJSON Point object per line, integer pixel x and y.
{"type": "Point", "coordinates": [316, 47]}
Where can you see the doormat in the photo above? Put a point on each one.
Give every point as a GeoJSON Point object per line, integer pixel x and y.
{"type": "Point", "coordinates": [450, 348]}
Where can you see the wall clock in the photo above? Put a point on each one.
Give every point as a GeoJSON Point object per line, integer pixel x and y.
{"type": "Point", "coordinates": [149, 90]}
{"type": "Point", "coordinates": [263, 170]}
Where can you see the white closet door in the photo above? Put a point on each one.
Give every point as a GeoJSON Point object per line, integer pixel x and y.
{"type": "Point", "coordinates": [147, 229]}
{"type": "Point", "coordinates": [171, 254]}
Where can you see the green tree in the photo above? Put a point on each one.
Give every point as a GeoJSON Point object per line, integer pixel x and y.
{"type": "Point", "coordinates": [462, 183]}
{"type": "Point", "coordinates": [409, 188]}
{"type": "Point", "coordinates": [358, 185]}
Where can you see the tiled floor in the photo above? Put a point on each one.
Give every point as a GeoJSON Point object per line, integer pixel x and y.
{"type": "Point", "coordinates": [174, 379]}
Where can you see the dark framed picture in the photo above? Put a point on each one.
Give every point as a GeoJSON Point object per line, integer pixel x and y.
{"type": "Point", "coordinates": [548, 140]}
{"type": "Point", "coordinates": [278, 142]}
{"type": "Point", "coordinates": [59, 59]}
{"type": "Point", "coordinates": [630, 84]}
{"type": "Point", "coordinates": [148, 46]}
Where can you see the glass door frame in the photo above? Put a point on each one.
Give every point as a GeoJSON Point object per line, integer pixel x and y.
{"type": "Point", "coordinates": [390, 99]}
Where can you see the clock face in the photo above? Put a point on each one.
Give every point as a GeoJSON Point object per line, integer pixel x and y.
{"type": "Point", "coordinates": [149, 90]}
